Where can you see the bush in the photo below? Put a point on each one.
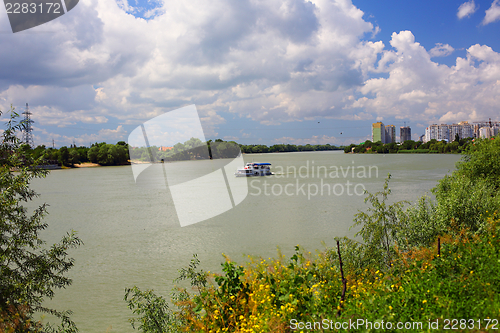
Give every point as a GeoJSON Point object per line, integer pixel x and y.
{"type": "Point", "coordinates": [275, 294]}
{"type": "Point", "coordinates": [29, 271]}
{"type": "Point", "coordinates": [463, 202]}
{"type": "Point", "coordinates": [482, 162]}
{"type": "Point", "coordinates": [414, 151]}
{"type": "Point", "coordinates": [418, 225]}
{"type": "Point", "coordinates": [379, 226]}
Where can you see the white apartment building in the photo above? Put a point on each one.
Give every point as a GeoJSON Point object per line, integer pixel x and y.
{"type": "Point", "coordinates": [443, 133]}
{"type": "Point", "coordinates": [448, 132]}
{"type": "Point", "coordinates": [431, 132]}
{"type": "Point", "coordinates": [488, 132]}
{"type": "Point", "coordinates": [467, 130]}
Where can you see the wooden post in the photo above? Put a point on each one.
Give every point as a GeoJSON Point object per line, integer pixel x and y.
{"type": "Point", "coordinates": [344, 281]}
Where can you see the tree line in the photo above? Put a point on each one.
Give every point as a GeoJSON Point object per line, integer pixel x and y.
{"type": "Point", "coordinates": [410, 146]}
{"type": "Point", "coordinates": [194, 149]}
{"type": "Point", "coordinates": [101, 153]}
{"type": "Point", "coordinates": [282, 148]}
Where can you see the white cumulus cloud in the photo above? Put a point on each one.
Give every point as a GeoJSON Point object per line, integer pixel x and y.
{"type": "Point", "coordinates": [493, 13]}
{"type": "Point", "coordinates": [269, 61]}
{"type": "Point", "coordinates": [441, 50]}
{"type": "Point", "coordinates": [466, 9]}
{"type": "Point", "coordinates": [419, 89]}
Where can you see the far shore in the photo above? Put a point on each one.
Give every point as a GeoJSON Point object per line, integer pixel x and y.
{"type": "Point", "coordinates": [86, 165]}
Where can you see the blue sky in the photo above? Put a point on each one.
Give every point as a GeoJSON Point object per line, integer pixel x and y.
{"type": "Point", "coordinates": [433, 22]}
{"type": "Point", "coordinates": [287, 71]}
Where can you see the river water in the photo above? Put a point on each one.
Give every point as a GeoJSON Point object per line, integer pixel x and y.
{"type": "Point", "coordinates": [133, 237]}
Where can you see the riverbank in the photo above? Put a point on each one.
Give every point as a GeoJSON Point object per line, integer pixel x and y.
{"type": "Point", "coordinates": [442, 272]}
{"type": "Point", "coordinates": [132, 235]}
{"type": "Point", "coordinates": [421, 291]}
{"type": "Point", "coordinates": [86, 165]}
{"type": "Point", "coordinates": [410, 147]}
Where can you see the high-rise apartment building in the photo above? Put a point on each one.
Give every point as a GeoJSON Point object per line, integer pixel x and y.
{"type": "Point", "coordinates": [467, 130]}
{"type": "Point", "coordinates": [390, 134]}
{"type": "Point", "coordinates": [454, 130]}
{"type": "Point", "coordinates": [404, 133]}
{"type": "Point", "coordinates": [449, 132]}
{"type": "Point", "coordinates": [378, 132]}
{"type": "Point", "coordinates": [430, 132]}
{"type": "Point", "coordinates": [443, 132]}
{"type": "Point", "coordinates": [487, 132]}
{"type": "Point", "coordinates": [483, 124]}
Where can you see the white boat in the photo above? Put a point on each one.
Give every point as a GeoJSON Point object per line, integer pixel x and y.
{"type": "Point", "coordinates": [255, 169]}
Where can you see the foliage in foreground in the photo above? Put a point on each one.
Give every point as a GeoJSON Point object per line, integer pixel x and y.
{"type": "Point", "coordinates": [268, 295]}
{"type": "Point", "coordinates": [29, 271]}
{"type": "Point", "coordinates": [395, 275]}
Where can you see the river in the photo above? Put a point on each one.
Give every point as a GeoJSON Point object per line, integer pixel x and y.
{"type": "Point", "coordinates": [132, 234]}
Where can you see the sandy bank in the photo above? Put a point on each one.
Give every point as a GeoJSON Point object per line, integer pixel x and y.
{"type": "Point", "coordinates": [86, 165]}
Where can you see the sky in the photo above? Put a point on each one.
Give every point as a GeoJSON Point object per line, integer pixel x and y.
{"type": "Point", "coordinates": [258, 72]}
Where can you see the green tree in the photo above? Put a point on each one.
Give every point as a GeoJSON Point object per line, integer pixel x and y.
{"type": "Point", "coordinates": [380, 226]}
{"type": "Point", "coordinates": [225, 149]}
{"type": "Point", "coordinates": [407, 145]}
{"type": "Point", "coordinates": [382, 149]}
{"type": "Point", "coordinates": [428, 144]}
{"type": "Point", "coordinates": [64, 156]}
{"type": "Point", "coordinates": [83, 153]}
{"type": "Point", "coordinates": [482, 161]}
{"type": "Point", "coordinates": [463, 198]}
{"type": "Point", "coordinates": [257, 149]}
{"type": "Point", "coordinates": [348, 149]}
{"type": "Point", "coordinates": [92, 154]}
{"type": "Point", "coordinates": [74, 156]}
{"type": "Point", "coordinates": [39, 151]}
{"type": "Point", "coordinates": [29, 271]}
{"type": "Point", "coordinates": [52, 155]}
{"type": "Point", "coordinates": [108, 153]}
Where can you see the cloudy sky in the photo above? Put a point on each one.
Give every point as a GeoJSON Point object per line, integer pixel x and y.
{"type": "Point", "coordinates": [287, 71]}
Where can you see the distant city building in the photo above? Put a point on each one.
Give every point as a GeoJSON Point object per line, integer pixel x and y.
{"type": "Point", "coordinates": [390, 134]}
{"type": "Point", "coordinates": [404, 133]}
{"type": "Point", "coordinates": [449, 132]}
{"type": "Point", "coordinates": [378, 132]}
{"type": "Point", "coordinates": [454, 130]}
{"type": "Point", "coordinates": [467, 130]}
{"type": "Point", "coordinates": [485, 124]}
{"type": "Point", "coordinates": [430, 132]}
{"type": "Point", "coordinates": [443, 133]}
{"type": "Point", "coordinates": [488, 132]}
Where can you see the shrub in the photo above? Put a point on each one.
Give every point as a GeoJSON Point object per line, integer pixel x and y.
{"type": "Point", "coordinates": [482, 162]}
{"type": "Point", "coordinates": [29, 271]}
{"type": "Point", "coordinates": [379, 226]}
